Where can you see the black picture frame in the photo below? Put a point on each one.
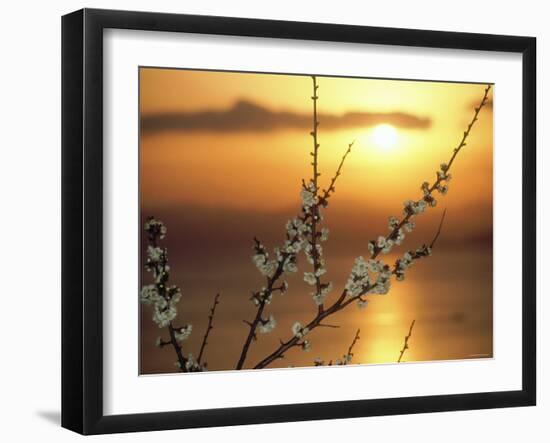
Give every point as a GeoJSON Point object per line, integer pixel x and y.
{"type": "Point", "coordinates": [82, 220]}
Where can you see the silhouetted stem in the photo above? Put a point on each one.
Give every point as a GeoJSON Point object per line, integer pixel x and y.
{"type": "Point", "coordinates": [406, 343]}
{"type": "Point", "coordinates": [355, 340]}
{"type": "Point", "coordinates": [208, 328]}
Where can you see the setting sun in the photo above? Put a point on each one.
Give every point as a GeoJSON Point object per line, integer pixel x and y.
{"type": "Point", "coordinates": [385, 136]}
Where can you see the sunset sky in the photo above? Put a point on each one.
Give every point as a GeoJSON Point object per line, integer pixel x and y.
{"type": "Point", "coordinates": [222, 157]}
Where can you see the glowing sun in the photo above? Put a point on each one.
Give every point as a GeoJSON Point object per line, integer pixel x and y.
{"type": "Point", "coordinates": [385, 136]}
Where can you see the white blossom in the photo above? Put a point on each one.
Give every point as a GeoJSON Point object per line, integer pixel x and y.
{"type": "Point", "coordinates": [399, 237]}
{"type": "Point", "coordinates": [260, 259]}
{"type": "Point", "coordinates": [155, 228]}
{"type": "Point", "coordinates": [183, 333]}
{"type": "Point", "coordinates": [360, 266]}
{"type": "Point", "coordinates": [290, 266]}
{"type": "Point", "coordinates": [284, 287]}
{"type": "Point", "coordinates": [374, 265]}
{"type": "Point", "coordinates": [425, 188]}
{"type": "Point", "coordinates": [154, 253]}
{"type": "Point", "coordinates": [192, 365]}
{"type": "Point", "coordinates": [359, 277]}
{"type": "Point", "coordinates": [371, 247]}
{"type": "Point", "coordinates": [309, 278]}
{"type": "Point", "coordinates": [309, 198]}
{"type": "Point", "coordinates": [409, 226]}
{"type": "Point", "coordinates": [296, 227]}
{"type": "Point", "coordinates": [306, 345]}
{"type": "Point", "coordinates": [298, 330]}
{"type": "Point", "coordinates": [362, 304]}
{"type": "Point", "coordinates": [393, 223]}
{"type": "Point", "coordinates": [149, 294]}
{"type": "Point", "coordinates": [412, 207]}
{"type": "Point", "coordinates": [319, 297]}
{"type": "Point", "coordinates": [163, 317]}
{"type": "Point", "coordinates": [268, 325]}
{"type": "Point", "coordinates": [385, 244]}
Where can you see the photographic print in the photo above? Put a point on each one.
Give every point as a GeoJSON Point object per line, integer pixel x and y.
{"type": "Point", "coordinates": [309, 221]}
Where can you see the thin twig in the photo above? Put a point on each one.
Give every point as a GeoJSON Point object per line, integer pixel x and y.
{"type": "Point", "coordinates": [322, 325]}
{"type": "Point", "coordinates": [355, 340]}
{"type": "Point", "coordinates": [439, 229]}
{"type": "Point", "coordinates": [315, 209]}
{"type": "Point", "coordinates": [331, 188]}
{"type": "Point", "coordinates": [406, 343]}
{"type": "Point", "coordinates": [208, 328]}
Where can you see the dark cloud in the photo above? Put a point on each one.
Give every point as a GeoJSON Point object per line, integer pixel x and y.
{"type": "Point", "coordinates": [249, 116]}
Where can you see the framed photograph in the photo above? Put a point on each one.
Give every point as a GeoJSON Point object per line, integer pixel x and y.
{"type": "Point", "coordinates": [269, 221]}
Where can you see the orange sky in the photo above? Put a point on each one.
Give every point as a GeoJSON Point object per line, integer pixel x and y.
{"type": "Point", "coordinates": [370, 169]}
{"type": "Point", "coordinates": [223, 186]}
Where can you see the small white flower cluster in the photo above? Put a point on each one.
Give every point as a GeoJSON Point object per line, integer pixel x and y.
{"type": "Point", "coordinates": [155, 228]}
{"type": "Point", "coordinates": [161, 297]}
{"type": "Point", "coordinates": [261, 260]}
{"type": "Point", "coordinates": [262, 296]}
{"type": "Point", "coordinates": [383, 282]}
{"type": "Point", "coordinates": [319, 297]}
{"type": "Point", "coordinates": [296, 227]}
{"type": "Point", "coordinates": [309, 252]}
{"type": "Point", "coordinates": [358, 281]}
{"type": "Point", "coordinates": [393, 222]}
{"type": "Point", "coordinates": [362, 304]}
{"type": "Point", "coordinates": [285, 258]}
{"type": "Point", "coordinates": [266, 326]}
{"type": "Point", "coordinates": [414, 207]}
{"type": "Point", "coordinates": [164, 307]}
{"type": "Point", "coordinates": [443, 173]}
{"type": "Point", "coordinates": [396, 237]}
{"type": "Point", "coordinates": [183, 333]}
{"type": "Point", "coordinates": [368, 277]}
{"type": "Point", "coordinates": [154, 254]}
{"type": "Point", "coordinates": [298, 330]}
{"type": "Point", "coordinates": [149, 295]}
{"type": "Point", "coordinates": [345, 360]}
{"type": "Point", "coordinates": [192, 365]}
{"type": "Point", "coordinates": [314, 256]}
{"type": "Point", "coordinates": [310, 278]}
{"type": "Point", "coordinates": [402, 264]}
{"type": "Point", "coordinates": [163, 316]}
{"type": "Point", "coordinates": [309, 197]}
{"type": "Point", "coordinates": [306, 345]}
{"type": "Point", "coordinates": [443, 176]}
